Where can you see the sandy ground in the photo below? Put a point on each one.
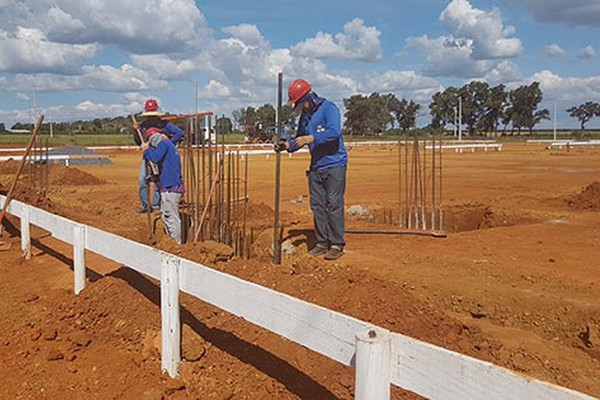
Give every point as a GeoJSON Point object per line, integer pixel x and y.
{"type": "Point", "coordinates": [516, 282]}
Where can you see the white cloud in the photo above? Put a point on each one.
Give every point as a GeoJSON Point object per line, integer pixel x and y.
{"type": "Point", "coordinates": [214, 89]}
{"type": "Point", "coordinates": [567, 12]}
{"type": "Point", "coordinates": [567, 89]}
{"type": "Point", "coordinates": [478, 44]}
{"type": "Point", "coordinates": [138, 26]}
{"type": "Point", "coordinates": [358, 42]}
{"type": "Point", "coordinates": [102, 78]}
{"type": "Point", "coordinates": [503, 72]}
{"type": "Point", "coordinates": [28, 50]}
{"type": "Point", "coordinates": [247, 33]}
{"type": "Point", "coordinates": [554, 50]}
{"type": "Point", "coordinates": [490, 39]}
{"type": "Point", "coordinates": [161, 66]}
{"type": "Point", "coordinates": [447, 56]}
{"type": "Point", "coordinates": [587, 53]}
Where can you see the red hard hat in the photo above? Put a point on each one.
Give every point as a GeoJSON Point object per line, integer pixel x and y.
{"type": "Point", "coordinates": [151, 105]}
{"type": "Point", "coordinates": [297, 90]}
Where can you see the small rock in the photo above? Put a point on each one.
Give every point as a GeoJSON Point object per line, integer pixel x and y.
{"type": "Point", "coordinates": [153, 394]}
{"type": "Point", "coordinates": [31, 297]}
{"type": "Point", "coordinates": [478, 314]}
{"type": "Point", "coordinates": [54, 355]}
{"type": "Point", "coordinates": [50, 334]}
{"type": "Point", "coordinates": [35, 334]}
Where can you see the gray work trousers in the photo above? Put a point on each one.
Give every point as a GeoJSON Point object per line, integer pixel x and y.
{"type": "Point", "coordinates": [169, 213]}
{"type": "Point", "coordinates": [327, 188]}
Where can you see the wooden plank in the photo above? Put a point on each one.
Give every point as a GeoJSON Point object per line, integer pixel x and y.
{"type": "Point", "coordinates": [169, 310]}
{"type": "Point", "coordinates": [437, 373]}
{"type": "Point", "coordinates": [317, 328]}
{"type": "Point", "coordinates": [137, 256]}
{"type": "Point", "coordinates": [61, 228]}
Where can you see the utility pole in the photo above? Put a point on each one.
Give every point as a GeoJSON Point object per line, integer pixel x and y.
{"type": "Point", "coordinates": [455, 122]}
{"type": "Point", "coordinates": [459, 118]}
{"type": "Point", "coordinates": [554, 120]}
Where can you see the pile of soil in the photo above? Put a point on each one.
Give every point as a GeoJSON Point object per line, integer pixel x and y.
{"type": "Point", "coordinates": [587, 199]}
{"type": "Point", "coordinates": [9, 167]}
{"type": "Point", "coordinates": [73, 176]}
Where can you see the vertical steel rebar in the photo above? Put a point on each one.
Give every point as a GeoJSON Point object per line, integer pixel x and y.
{"type": "Point", "coordinates": [276, 228]}
{"type": "Point", "coordinates": [245, 242]}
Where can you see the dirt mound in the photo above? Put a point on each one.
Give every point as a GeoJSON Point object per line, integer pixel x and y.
{"type": "Point", "coordinates": [587, 199]}
{"type": "Point", "coordinates": [73, 176]}
{"type": "Point", "coordinates": [9, 167]}
{"type": "Point", "coordinates": [470, 217]}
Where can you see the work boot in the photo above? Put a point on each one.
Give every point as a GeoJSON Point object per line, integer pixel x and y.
{"type": "Point", "coordinates": [142, 209]}
{"type": "Point", "coordinates": [318, 250]}
{"type": "Point", "coordinates": [334, 253]}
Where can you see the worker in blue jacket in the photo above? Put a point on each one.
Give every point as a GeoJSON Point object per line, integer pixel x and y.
{"type": "Point", "coordinates": [320, 129]}
{"type": "Point", "coordinates": [162, 152]}
{"type": "Point", "coordinates": [152, 119]}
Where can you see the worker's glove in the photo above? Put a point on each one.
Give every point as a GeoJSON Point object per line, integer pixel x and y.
{"type": "Point", "coordinates": [302, 141]}
{"type": "Point", "coordinates": [281, 146]}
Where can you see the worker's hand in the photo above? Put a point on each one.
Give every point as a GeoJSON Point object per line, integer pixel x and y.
{"type": "Point", "coordinates": [144, 146]}
{"type": "Point", "coordinates": [281, 146]}
{"type": "Point", "coordinates": [302, 141]}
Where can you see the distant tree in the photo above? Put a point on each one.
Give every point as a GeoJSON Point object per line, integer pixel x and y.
{"type": "Point", "coordinates": [494, 107]}
{"type": "Point", "coordinates": [265, 115]}
{"type": "Point", "coordinates": [223, 125]}
{"type": "Point", "coordinates": [522, 111]}
{"type": "Point", "coordinates": [248, 117]}
{"type": "Point", "coordinates": [2, 127]}
{"type": "Point", "coordinates": [585, 112]}
{"type": "Point", "coordinates": [443, 108]}
{"type": "Point", "coordinates": [367, 115]}
{"type": "Point", "coordinates": [405, 112]}
{"type": "Point", "coordinates": [474, 96]}
{"type": "Point", "coordinates": [237, 117]}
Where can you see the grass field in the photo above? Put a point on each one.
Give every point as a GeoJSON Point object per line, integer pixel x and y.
{"type": "Point", "coordinates": [125, 140]}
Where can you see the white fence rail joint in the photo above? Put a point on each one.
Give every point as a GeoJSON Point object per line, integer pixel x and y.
{"type": "Point", "coordinates": [428, 370]}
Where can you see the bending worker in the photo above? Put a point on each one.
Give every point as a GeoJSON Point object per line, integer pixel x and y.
{"type": "Point", "coordinates": [161, 151]}
{"type": "Point", "coordinates": [320, 129]}
{"type": "Point", "coordinates": [152, 119]}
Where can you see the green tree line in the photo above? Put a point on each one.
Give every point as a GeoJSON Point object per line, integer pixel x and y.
{"type": "Point", "coordinates": [484, 109]}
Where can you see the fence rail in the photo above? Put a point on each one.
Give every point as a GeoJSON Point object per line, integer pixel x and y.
{"type": "Point", "coordinates": [379, 356]}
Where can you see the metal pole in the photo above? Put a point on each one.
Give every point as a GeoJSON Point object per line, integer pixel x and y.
{"type": "Point", "coordinates": [554, 120]}
{"type": "Point", "coordinates": [460, 119]}
{"type": "Point", "coordinates": [276, 238]}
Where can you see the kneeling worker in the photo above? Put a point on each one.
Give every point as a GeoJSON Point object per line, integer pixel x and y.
{"type": "Point", "coordinates": [161, 151]}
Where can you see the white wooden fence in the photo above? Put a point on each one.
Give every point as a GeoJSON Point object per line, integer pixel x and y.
{"type": "Point", "coordinates": [379, 356]}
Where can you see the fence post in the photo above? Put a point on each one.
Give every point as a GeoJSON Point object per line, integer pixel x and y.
{"type": "Point", "coordinates": [169, 309]}
{"type": "Point", "coordinates": [373, 356]}
{"type": "Point", "coordinates": [79, 257]}
{"type": "Point", "coordinates": [25, 234]}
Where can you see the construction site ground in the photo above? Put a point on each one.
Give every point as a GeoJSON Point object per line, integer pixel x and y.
{"type": "Point", "coordinates": [516, 282]}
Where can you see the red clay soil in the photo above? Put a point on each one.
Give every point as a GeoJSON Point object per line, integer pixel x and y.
{"type": "Point", "coordinates": [588, 199]}
{"type": "Point", "coordinates": [515, 283]}
{"type": "Point", "coordinates": [71, 176]}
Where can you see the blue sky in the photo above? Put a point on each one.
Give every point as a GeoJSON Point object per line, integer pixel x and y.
{"type": "Point", "coordinates": [82, 59]}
